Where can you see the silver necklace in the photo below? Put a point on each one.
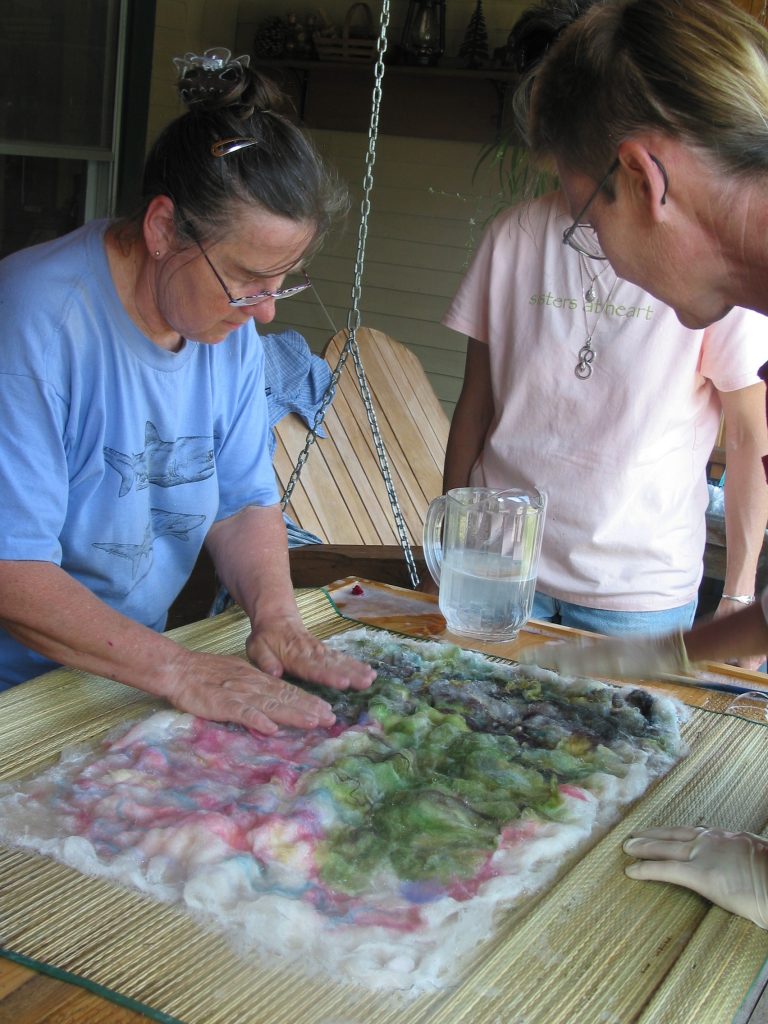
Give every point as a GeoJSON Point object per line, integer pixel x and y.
{"type": "Point", "coordinates": [587, 353]}
{"type": "Point", "coordinates": [590, 294]}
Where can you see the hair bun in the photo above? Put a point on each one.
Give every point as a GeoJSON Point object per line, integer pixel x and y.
{"type": "Point", "coordinates": [213, 79]}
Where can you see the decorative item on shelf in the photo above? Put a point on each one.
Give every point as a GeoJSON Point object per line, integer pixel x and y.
{"type": "Point", "coordinates": [357, 42]}
{"type": "Point", "coordinates": [474, 50]}
{"type": "Point", "coordinates": [313, 25]}
{"type": "Point", "coordinates": [298, 43]}
{"type": "Point", "coordinates": [270, 38]}
{"type": "Point", "coordinates": [423, 40]}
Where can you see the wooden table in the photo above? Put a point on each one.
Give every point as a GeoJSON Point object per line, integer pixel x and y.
{"type": "Point", "coordinates": [28, 997]}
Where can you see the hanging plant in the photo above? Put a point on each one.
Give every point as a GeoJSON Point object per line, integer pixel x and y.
{"type": "Point", "coordinates": [519, 177]}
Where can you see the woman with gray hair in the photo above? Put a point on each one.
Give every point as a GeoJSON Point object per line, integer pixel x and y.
{"type": "Point", "coordinates": [133, 420]}
{"type": "Point", "coordinates": [655, 113]}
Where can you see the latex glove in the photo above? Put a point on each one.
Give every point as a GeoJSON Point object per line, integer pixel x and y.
{"type": "Point", "coordinates": [643, 657]}
{"type": "Point", "coordinates": [728, 868]}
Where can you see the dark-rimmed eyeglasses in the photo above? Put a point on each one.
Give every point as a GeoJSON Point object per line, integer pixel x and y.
{"type": "Point", "coordinates": [581, 236]}
{"type": "Point", "coordinates": [254, 300]}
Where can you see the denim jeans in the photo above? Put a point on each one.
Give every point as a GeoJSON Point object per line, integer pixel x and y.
{"type": "Point", "coordinates": [613, 623]}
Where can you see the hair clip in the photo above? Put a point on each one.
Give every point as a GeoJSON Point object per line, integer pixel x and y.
{"type": "Point", "coordinates": [218, 58]}
{"type": "Point", "coordinates": [199, 72]}
{"type": "Point", "coordinates": [223, 147]}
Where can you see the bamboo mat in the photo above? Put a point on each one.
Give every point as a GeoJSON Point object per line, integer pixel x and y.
{"type": "Point", "coordinates": [595, 947]}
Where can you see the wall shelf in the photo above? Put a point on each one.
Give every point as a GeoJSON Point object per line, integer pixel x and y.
{"type": "Point", "coordinates": [426, 102]}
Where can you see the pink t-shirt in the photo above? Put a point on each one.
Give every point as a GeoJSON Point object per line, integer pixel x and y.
{"type": "Point", "coordinates": [622, 455]}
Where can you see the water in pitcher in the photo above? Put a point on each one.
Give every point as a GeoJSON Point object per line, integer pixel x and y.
{"type": "Point", "coordinates": [483, 595]}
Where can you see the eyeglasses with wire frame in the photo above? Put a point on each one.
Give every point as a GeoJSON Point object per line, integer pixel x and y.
{"type": "Point", "coordinates": [581, 236]}
{"type": "Point", "coordinates": [254, 300]}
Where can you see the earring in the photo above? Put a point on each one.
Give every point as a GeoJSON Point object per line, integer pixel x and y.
{"type": "Point", "coordinates": [157, 254]}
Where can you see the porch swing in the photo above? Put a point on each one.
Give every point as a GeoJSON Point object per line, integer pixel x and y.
{"type": "Point", "coordinates": [364, 490]}
{"type": "Point", "coordinates": [364, 493]}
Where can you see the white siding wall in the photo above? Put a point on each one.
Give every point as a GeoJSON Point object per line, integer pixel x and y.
{"type": "Point", "coordinates": [426, 217]}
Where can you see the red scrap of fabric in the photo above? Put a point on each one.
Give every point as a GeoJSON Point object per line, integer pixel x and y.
{"type": "Point", "coordinates": [357, 590]}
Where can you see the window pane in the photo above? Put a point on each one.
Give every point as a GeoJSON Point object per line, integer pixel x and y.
{"type": "Point", "coordinates": [40, 199]}
{"type": "Point", "coordinates": [57, 70]}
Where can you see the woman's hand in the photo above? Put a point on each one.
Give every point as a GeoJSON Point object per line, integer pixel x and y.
{"type": "Point", "coordinates": [229, 689]}
{"type": "Point", "coordinates": [283, 645]}
{"type": "Point", "coordinates": [50, 612]}
{"type": "Point", "coordinates": [728, 868]}
{"type": "Point", "coordinates": [225, 688]}
{"type": "Point", "coordinates": [250, 552]}
{"type": "Point", "coordinates": [643, 657]}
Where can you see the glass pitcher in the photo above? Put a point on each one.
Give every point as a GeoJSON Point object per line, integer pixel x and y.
{"type": "Point", "coordinates": [486, 563]}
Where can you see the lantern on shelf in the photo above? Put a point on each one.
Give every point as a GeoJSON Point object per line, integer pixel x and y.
{"type": "Point", "coordinates": [423, 40]}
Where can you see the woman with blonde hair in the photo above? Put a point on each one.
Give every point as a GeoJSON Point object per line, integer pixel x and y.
{"type": "Point", "coordinates": [655, 114]}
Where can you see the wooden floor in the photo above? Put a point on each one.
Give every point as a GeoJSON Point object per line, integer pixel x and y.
{"type": "Point", "coordinates": [32, 998]}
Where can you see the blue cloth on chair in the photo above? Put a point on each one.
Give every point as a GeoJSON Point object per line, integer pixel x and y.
{"type": "Point", "coordinates": [296, 381]}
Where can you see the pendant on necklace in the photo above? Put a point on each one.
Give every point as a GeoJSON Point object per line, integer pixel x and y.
{"type": "Point", "coordinates": [583, 368]}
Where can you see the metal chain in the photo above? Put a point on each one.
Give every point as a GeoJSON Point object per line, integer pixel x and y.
{"type": "Point", "coordinates": [353, 323]}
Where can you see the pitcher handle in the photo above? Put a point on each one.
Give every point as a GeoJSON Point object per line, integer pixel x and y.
{"type": "Point", "coordinates": [433, 544]}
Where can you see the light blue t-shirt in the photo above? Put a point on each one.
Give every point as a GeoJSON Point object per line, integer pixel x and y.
{"type": "Point", "coordinates": [116, 456]}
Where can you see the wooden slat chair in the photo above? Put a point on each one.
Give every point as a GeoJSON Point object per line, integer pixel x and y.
{"type": "Point", "coordinates": [716, 463]}
{"type": "Point", "coordinates": [341, 496]}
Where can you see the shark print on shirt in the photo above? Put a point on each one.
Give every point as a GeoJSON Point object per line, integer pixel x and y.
{"type": "Point", "coordinates": [165, 463]}
{"type": "Point", "coordinates": [175, 524]}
